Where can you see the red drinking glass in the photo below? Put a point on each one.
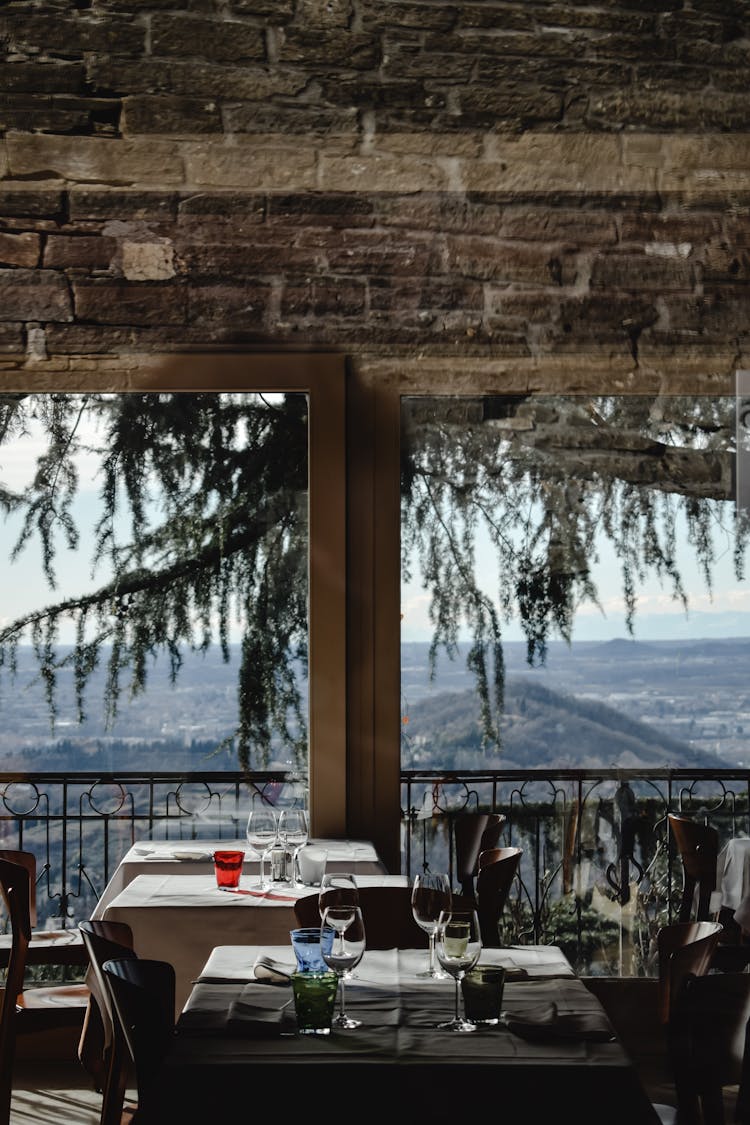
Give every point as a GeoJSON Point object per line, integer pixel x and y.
{"type": "Point", "coordinates": [228, 868]}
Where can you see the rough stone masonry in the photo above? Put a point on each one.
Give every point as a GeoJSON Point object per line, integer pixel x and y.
{"type": "Point", "coordinates": [560, 189]}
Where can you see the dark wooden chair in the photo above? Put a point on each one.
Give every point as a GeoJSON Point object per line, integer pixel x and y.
{"type": "Point", "coordinates": [497, 870]}
{"type": "Point", "coordinates": [105, 941]}
{"type": "Point", "coordinates": [698, 847]}
{"type": "Point", "coordinates": [143, 998]}
{"type": "Point", "coordinates": [46, 947]}
{"type": "Point", "coordinates": [28, 1011]}
{"type": "Point", "coordinates": [684, 949]}
{"type": "Point", "coordinates": [387, 915]}
{"type": "Point", "coordinates": [473, 833]}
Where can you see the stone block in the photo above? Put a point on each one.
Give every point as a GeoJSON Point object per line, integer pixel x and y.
{"type": "Point", "coordinates": [43, 77]}
{"type": "Point", "coordinates": [101, 204]}
{"type": "Point", "coordinates": [23, 200]}
{"type": "Point", "coordinates": [401, 298]}
{"type": "Point", "coordinates": [244, 165]}
{"type": "Point", "coordinates": [148, 260]}
{"type": "Point", "coordinates": [306, 209]}
{"type": "Point", "coordinates": [641, 271]}
{"type": "Point", "coordinates": [417, 17]}
{"type": "Point", "coordinates": [194, 78]}
{"type": "Point", "coordinates": [229, 306]}
{"type": "Point", "coordinates": [251, 258]}
{"type": "Point", "coordinates": [309, 120]}
{"type": "Point", "coordinates": [381, 172]}
{"type": "Point", "coordinates": [369, 252]}
{"type": "Point", "coordinates": [28, 294]}
{"type": "Point", "coordinates": [692, 228]}
{"type": "Point", "coordinates": [142, 303]}
{"type": "Point", "coordinates": [280, 12]}
{"type": "Point", "coordinates": [541, 223]}
{"type": "Point", "coordinates": [510, 262]}
{"type": "Point", "coordinates": [325, 297]}
{"type": "Point", "coordinates": [166, 114]}
{"type": "Point", "coordinates": [217, 40]}
{"type": "Point", "coordinates": [11, 339]}
{"type": "Point", "coordinates": [19, 249]}
{"type": "Point", "coordinates": [328, 48]}
{"type": "Point", "coordinates": [91, 159]}
{"type": "Point", "coordinates": [32, 31]}
{"type": "Point", "coordinates": [58, 113]}
{"type": "Point", "coordinates": [522, 104]}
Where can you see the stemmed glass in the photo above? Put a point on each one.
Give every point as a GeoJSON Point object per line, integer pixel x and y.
{"type": "Point", "coordinates": [338, 888]}
{"type": "Point", "coordinates": [430, 895]}
{"type": "Point", "coordinates": [262, 833]}
{"type": "Point", "coordinates": [293, 831]}
{"type": "Point", "coordinates": [346, 951]}
{"type": "Point", "coordinates": [459, 944]}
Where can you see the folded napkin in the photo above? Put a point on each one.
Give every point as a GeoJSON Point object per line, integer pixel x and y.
{"type": "Point", "coordinates": [545, 1022]}
{"type": "Point", "coordinates": [270, 971]}
{"type": "Point", "coordinates": [259, 1013]}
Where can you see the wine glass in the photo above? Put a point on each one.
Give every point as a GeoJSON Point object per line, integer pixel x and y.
{"type": "Point", "coordinates": [293, 831]}
{"type": "Point", "coordinates": [431, 894]}
{"type": "Point", "coordinates": [261, 833]}
{"type": "Point", "coordinates": [458, 946]}
{"type": "Point", "coordinates": [338, 888]}
{"type": "Point", "coordinates": [345, 952]}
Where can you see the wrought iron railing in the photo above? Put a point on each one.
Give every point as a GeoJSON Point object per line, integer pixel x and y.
{"type": "Point", "coordinates": [597, 874]}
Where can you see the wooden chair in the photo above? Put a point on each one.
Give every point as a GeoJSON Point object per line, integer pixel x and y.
{"type": "Point", "coordinates": [105, 941]}
{"type": "Point", "coordinates": [142, 993]}
{"type": "Point", "coordinates": [698, 846]}
{"type": "Point", "coordinates": [46, 947]}
{"type": "Point", "coordinates": [28, 1010]}
{"type": "Point", "coordinates": [684, 949]}
{"type": "Point", "coordinates": [473, 833]}
{"type": "Point", "coordinates": [497, 870]}
{"type": "Point", "coordinates": [387, 915]}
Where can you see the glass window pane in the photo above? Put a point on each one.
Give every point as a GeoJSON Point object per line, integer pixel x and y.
{"type": "Point", "coordinates": [573, 589]}
{"type": "Point", "coordinates": [155, 597]}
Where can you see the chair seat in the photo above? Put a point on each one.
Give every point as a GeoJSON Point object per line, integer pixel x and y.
{"type": "Point", "coordinates": [49, 947]}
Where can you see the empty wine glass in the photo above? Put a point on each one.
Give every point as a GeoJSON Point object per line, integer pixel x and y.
{"type": "Point", "coordinates": [293, 831]}
{"type": "Point", "coordinates": [338, 888]}
{"type": "Point", "coordinates": [345, 952]}
{"type": "Point", "coordinates": [262, 833]}
{"type": "Point", "coordinates": [458, 946]}
{"type": "Point", "coordinates": [431, 894]}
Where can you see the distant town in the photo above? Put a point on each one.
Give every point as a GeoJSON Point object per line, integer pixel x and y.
{"type": "Point", "coordinates": [667, 702]}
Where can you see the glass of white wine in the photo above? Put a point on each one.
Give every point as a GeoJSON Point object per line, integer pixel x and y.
{"type": "Point", "coordinates": [458, 946]}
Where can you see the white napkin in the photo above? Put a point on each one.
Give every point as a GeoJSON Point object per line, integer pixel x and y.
{"type": "Point", "coordinates": [260, 1012]}
{"type": "Point", "coordinates": [267, 969]}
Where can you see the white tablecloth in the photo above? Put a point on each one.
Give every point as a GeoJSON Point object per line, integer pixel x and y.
{"type": "Point", "coordinates": [397, 1064]}
{"type": "Point", "coordinates": [193, 857]}
{"type": "Point", "coordinates": [180, 918]}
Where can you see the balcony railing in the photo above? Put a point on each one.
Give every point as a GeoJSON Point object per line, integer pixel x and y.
{"type": "Point", "coordinates": [597, 875]}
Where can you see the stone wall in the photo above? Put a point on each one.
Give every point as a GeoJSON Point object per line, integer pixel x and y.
{"type": "Point", "coordinates": [540, 185]}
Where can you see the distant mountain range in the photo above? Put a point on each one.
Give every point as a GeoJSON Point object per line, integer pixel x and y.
{"type": "Point", "coordinates": [540, 728]}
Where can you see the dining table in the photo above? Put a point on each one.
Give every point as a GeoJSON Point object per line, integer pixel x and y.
{"type": "Point", "coordinates": [195, 857]}
{"type": "Point", "coordinates": [177, 917]}
{"type": "Point", "coordinates": [553, 1056]}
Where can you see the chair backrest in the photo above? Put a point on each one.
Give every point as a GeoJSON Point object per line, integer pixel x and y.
{"type": "Point", "coordinates": [386, 913]}
{"type": "Point", "coordinates": [105, 941]}
{"type": "Point", "coordinates": [497, 870]}
{"type": "Point", "coordinates": [698, 846]}
{"type": "Point", "coordinates": [15, 891]}
{"type": "Point", "coordinates": [684, 950]}
{"type": "Point", "coordinates": [27, 860]}
{"type": "Point", "coordinates": [143, 998]}
{"type": "Point", "coordinates": [473, 833]}
{"type": "Point", "coordinates": [708, 1044]}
